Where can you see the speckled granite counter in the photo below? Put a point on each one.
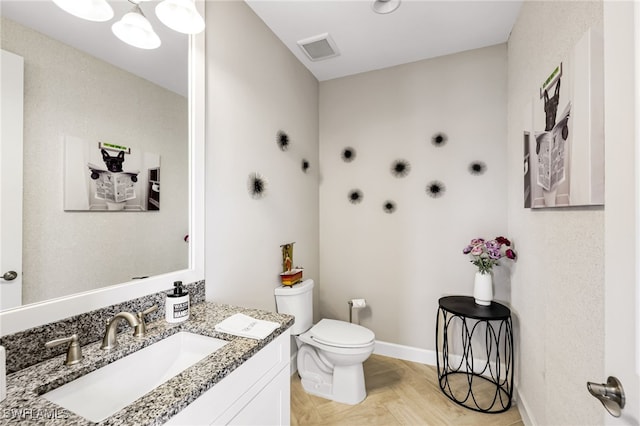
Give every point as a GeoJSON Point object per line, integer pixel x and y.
{"type": "Point", "coordinates": [24, 405]}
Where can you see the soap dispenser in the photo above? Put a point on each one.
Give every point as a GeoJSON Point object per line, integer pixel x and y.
{"type": "Point", "coordinates": [177, 305]}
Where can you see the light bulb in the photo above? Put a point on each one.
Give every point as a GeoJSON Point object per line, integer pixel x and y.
{"type": "Point", "coordinates": [91, 10]}
{"type": "Point", "coordinates": [180, 16]}
{"type": "Point", "coordinates": [135, 29]}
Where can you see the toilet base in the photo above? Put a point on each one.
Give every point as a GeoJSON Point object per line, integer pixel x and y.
{"type": "Point", "coordinates": [344, 384]}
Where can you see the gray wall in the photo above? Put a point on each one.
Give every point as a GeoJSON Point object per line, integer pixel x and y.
{"type": "Point", "coordinates": [403, 262]}
{"type": "Point", "coordinates": [256, 87]}
{"type": "Point", "coordinates": [557, 291]}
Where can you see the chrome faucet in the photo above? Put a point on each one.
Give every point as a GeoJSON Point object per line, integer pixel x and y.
{"type": "Point", "coordinates": [74, 351]}
{"type": "Point", "coordinates": [141, 328]}
{"type": "Point", "coordinates": [110, 337]}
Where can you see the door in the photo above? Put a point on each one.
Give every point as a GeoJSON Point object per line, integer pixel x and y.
{"type": "Point", "coordinates": [11, 110]}
{"type": "Point", "coordinates": [622, 205]}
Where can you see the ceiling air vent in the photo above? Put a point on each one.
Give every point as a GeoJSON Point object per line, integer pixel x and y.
{"type": "Point", "coordinates": [319, 47]}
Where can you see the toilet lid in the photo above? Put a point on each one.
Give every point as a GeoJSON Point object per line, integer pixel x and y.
{"type": "Point", "coordinates": [340, 333]}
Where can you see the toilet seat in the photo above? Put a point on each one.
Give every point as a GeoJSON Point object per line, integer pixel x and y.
{"type": "Point", "coordinates": [331, 353]}
{"type": "Point", "coordinates": [341, 334]}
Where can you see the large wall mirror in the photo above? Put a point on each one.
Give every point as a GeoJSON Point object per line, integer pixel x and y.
{"type": "Point", "coordinates": [83, 88]}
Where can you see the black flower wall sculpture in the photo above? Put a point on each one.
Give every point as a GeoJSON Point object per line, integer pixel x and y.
{"type": "Point", "coordinates": [477, 168]}
{"type": "Point", "coordinates": [348, 154]}
{"type": "Point", "coordinates": [283, 140]}
{"type": "Point", "coordinates": [435, 189]}
{"type": "Point", "coordinates": [305, 165]}
{"type": "Point", "coordinates": [439, 139]}
{"type": "Point", "coordinates": [389, 206]}
{"type": "Point", "coordinates": [400, 168]}
{"type": "Point", "coordinates": [257, 186]}
{"type": "Point", "coordinates": [355, 196]}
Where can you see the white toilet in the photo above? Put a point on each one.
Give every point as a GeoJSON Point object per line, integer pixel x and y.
{"type": "Point", "coordinates": [330, 353]}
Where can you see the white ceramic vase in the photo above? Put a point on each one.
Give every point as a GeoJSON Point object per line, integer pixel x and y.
{"type": "Point", "coordinates": [483, 288]}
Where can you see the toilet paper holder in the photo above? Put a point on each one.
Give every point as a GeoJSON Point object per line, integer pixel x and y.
{"type": "Point", "coordinates": [355, 304]}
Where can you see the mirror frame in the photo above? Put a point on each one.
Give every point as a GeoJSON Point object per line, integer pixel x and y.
{"type": "Point", "coordinates": [36, 314]}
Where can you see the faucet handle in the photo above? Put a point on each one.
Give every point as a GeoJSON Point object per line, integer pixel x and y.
{"type": "Point", "coordinates": [141, 329]}
{"type": "Point", "coordinates": [74, 352]}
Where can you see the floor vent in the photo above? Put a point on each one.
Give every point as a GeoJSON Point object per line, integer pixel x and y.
{"type": "Point", "coordinates": [319, 47]}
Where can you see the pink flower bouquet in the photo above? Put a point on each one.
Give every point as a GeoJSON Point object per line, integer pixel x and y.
{"type": "Point", "coordinates": [484, 254]}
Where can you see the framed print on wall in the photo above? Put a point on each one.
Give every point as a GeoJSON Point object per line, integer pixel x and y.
{"type": "Point", "coordinates": [564, 149]}
{"type": "Point", "coordinates": [102, 176]}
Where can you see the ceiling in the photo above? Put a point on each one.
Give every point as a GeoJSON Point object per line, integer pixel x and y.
{"type": "Point", "coordinates": [418, 29]}
{"type": "Point", "coordinates": [165, 66]}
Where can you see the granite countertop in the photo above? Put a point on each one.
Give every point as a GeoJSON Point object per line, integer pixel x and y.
{"type": "Point", "coordinates": [24, 405]}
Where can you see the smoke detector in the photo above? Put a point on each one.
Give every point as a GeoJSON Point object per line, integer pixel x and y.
{"type": "Point", "coordinates": [385, 6]}
{"type": "Point", "coordinates": [319, 47]}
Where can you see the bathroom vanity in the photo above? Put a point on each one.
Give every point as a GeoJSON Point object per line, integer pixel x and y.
{"type": "Point", "coordinates": [246, 381]}
{"type": "Point", "coordinates": [256, 393]}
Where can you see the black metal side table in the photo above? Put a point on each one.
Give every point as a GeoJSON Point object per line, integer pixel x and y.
{"type": "Point", "coordinates": [475, 353]}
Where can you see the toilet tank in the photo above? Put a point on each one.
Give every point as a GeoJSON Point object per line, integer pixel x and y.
{"type": "Point", "coordinates": [297, 300]}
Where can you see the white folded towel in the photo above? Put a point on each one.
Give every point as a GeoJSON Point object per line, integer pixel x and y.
{"type": "Point", "coordinates": [245, 326]}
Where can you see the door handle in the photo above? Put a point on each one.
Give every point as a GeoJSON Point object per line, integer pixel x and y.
{"type": "Point", "coordinates": [611, 394]}
{"type": "Point", "coordinates": [10, 276]}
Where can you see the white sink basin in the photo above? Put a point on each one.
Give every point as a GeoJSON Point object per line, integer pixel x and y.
{"type": "Point", "coordinates": [109, 389]}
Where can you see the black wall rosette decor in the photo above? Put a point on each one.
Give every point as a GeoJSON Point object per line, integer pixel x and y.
{"type": "Point", "coordinates": [477, 168]}
{"type": "Point", "coordinates": [348, 154]}
{"type": "Point", "coordinates": [439, 139]}
{"type": "Point", "coordinates": [389, 206]}
{"type": "Point", "coordinates": [400, 168]}
{"type": "Point", "coordinates": [435, 189]}
{"type": "Point", "coordinates": [257, 186]}
{"type": "Point", "coordinates": [355, 196]}
{"type": "Point", "coordinates": [305, 165]}
{"type": "Point", "coordinates": [283, 140]}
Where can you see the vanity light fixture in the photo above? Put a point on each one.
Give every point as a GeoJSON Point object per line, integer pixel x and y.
{"type": "Point", "coordinates": [134, 29]}
{"type": "Point", "coordinates": [385, 6]}
{"type": "Point", "coordinates": [91, 10]}
{"type": "Point", "coordinates": [180, 16]}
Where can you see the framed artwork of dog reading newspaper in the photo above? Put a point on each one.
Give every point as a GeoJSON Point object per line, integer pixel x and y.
{"type": "Point", "coordinates": [104, 176]}
{"type": "Point", "coordinates": [564, 138]}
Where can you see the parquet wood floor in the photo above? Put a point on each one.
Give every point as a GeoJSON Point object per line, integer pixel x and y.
{"type": "Point", "coordinates": [398, 393]}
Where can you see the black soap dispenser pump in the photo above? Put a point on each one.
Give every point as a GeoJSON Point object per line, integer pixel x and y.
{"type": "Point", "coordinates": [177, 304]}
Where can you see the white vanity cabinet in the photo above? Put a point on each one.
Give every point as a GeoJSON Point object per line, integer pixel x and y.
{"type": "Point", "coordinates": [255, 393]}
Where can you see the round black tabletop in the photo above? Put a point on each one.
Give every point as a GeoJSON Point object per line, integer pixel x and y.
{"type": "Point", "coordinates": [467, 307]}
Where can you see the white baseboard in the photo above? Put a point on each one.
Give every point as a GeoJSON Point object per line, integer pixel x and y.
{"type": "Point", "coordinates": [527, 419]}
{"type": "Point", "coordinates": [392, 350]}
{"type": "Point", "coordinates": [406, 353]}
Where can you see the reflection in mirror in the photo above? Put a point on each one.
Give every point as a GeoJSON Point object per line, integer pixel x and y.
{"type": "Point", "coordinates": [70, 94]}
